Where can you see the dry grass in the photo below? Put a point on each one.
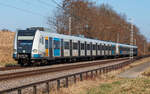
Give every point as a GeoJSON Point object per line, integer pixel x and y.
{"type": "Point", "coordinates": [146, 72]}
{"type": "Point", "coordinates": [110, 84]}
{"type": "Point", "coordinates": [140, 62]}
{"type": "Point", "coordinates": [6, 47]}
{"type": "Point", "coordinates": [123, 86]}
{"type": "Point", "coordinates": [86, 85]}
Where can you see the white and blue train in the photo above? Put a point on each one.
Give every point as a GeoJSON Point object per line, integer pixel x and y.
{"type": "Point", "coordinates": [35, 46]}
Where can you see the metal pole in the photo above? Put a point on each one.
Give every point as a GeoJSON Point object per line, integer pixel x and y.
{"type": "Point", "coordinates": [144, 47]}
{"type": "Point", "coordinates": [135, 41]}
{"type": "Point", "coordinates": [69, 25]}
{"type": "Point", "coordinates": [131, 40]}
{"type": "Point", "coordinates": [117, 37]}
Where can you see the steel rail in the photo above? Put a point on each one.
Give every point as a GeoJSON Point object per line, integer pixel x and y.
{"type": "Point", "coordinates": [55, 69]}
{"type": "Point", "coordinates": [101, 70]}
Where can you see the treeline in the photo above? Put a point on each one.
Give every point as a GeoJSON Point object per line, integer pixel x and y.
{"type": "Point", "coordinates": [96, 21]}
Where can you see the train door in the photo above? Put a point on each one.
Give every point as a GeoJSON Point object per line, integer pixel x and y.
{"type": "Point", "coordinates": [57, 51]}
{"type": "Point", "coordinates": [46, 47]}
{"type": "Point", "coordinates": [100, 49]}
{"type": "Point", "coordinates": [70, 48]}
{"type": "Point", "coordinates": [85, 49]}
{"type": "Point", "coordinates": [62, 48]}
{"type": "Point", "coordinates": [104, 49]}
{"type": "Point", "coordinates": [50, 47]}
{"type": "Point", "coordinates": [117, 49]}
{"type": "Point", "coordinates": [96, 49]}
{"type": "Point", "coordinates": [91, 46]}
{"type": "Point", "coordinates": [113, 49]}
{"type": "Point", "coordinates": [79, 48]}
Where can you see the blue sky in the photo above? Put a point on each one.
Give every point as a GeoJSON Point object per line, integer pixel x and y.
{"type": "Point", "coordinates": [12, 18]}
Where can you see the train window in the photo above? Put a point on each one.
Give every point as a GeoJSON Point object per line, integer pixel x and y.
{"type": "Point", "coordinates": [103, 47]}
{"type": "Point", "coordinates": [25, 42]}
{"type": "Point", "coordinates": [94, 47]}
{"type": "Point", "coordinates": [75, 46]}
{"type": "Point", "coordinates": [88, 46]}
{"type": "Point", "coordinates": [50, 43]}
{"type": "Point", "coordinates": [42, 40]}
{"type": "Point", "coordinates": [46, 44]}
{"type": "Point", "coordinates": [98, 47]}
{"type": "Point", "coordinates": [82, 46]}
{"type": "Point", "coordinates": [56, 44]}
{"type": "Point", "coordinates": [66, 45]}
{"type": "Point", "coordinates": [108, 47]}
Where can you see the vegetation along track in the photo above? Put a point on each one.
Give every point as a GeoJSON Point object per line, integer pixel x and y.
{"type": "Point", "coordinates": [55, 69]}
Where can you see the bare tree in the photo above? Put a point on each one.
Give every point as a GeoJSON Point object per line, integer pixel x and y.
{"type": "Point", "coordinates": [90, 20]}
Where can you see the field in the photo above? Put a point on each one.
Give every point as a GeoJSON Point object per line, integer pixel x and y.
{"type": "Point", "coordinates": [110, 84]}
{"type": "Point", "coordinates": [123, 86]}
{"type": "Point", "coordinates": [6, 47]}
{"type": "Point", "coordinates": [146, 73]}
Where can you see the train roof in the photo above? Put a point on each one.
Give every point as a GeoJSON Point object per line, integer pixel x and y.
{"type": "Point", "coordinates": [83, 39]}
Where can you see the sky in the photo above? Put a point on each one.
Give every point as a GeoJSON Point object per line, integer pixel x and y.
{"type": "Point", "coordinates": [21, 14]}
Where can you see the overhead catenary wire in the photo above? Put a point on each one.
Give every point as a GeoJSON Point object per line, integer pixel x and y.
{"type": "Point", "coordinates": [21, 9]}
{"type": "Point", "coordinates": [29, 3]}
{"type": "Point", "coordinates": [44, 3]}
{"type": "Point", "coordinates": [25, 1]}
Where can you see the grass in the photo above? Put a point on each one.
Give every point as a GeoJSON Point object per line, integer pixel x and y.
{"type": "Point", "coordinates": [11, 64]}
{"type": "Point", "coordinates": [8, 64]}
{"type": "Point", "coordinates": [110, 84]}
{"type": "Point", "coordinates": [146, 73]}
{"type": "Point", "coordinates": [139, 62]}
{"type": "Point", "coordinates": [123, 86]}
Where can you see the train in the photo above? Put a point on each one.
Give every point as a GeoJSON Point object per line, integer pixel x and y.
{"type": "Point", "coordinates": [35, 46]}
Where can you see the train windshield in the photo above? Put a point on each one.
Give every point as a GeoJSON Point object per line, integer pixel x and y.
{"type": "Point", "coordinates": [26, 32]}
{"type": "Point", "coordinates": [24, 46]}
{"type": "Point", "coordinates": [25, 40]}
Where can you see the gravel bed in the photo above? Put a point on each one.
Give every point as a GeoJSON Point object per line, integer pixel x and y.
{"type": "Point", "coordinates": [7, 84]}
{"type": "Point", "coordinates": [43, 67]}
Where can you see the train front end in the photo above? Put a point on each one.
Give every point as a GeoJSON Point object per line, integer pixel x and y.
{"type": "Point", "coordinates": [23, 46]}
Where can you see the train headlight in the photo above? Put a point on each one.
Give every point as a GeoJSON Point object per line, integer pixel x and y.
{"type": "Point", "coordinates": [35, 51]}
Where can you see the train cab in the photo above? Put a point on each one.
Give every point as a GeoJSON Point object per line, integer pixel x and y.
{"type": "Point", "coordinates": [23, 44]}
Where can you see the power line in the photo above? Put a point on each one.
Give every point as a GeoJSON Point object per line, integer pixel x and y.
{"type": "Point", "coordinates": [29, 3]}
{"type": "Point", "coordinates": [44, 3]}
{"type": "Point", "coordinates": [25, 1]}
{"type": "Point", "coordinates": [20, 9]}
{"type": "Point", "coordinates": [34, 12]}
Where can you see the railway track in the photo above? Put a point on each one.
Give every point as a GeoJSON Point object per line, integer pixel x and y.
{"type": "Point", "coordinates": [55, 69]}
{"type": "Point", "coordinates": [112, 65]}
{"type": "Point", "coordinates": [10, 68]}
